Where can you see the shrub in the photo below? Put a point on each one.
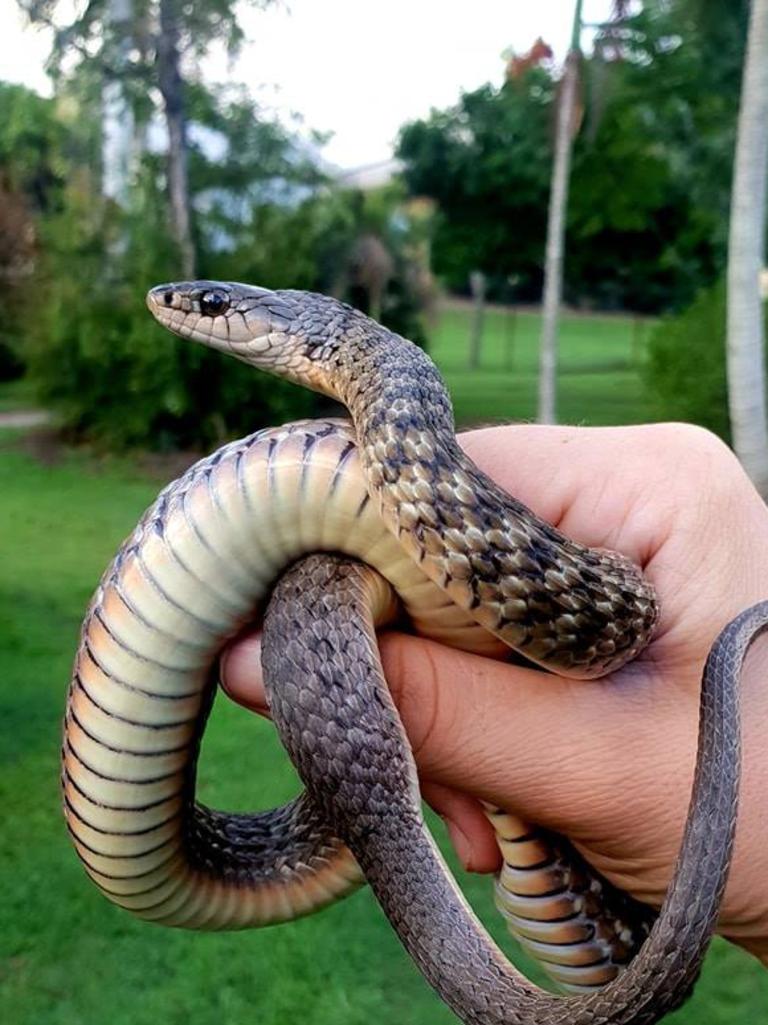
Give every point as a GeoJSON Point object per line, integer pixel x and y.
{"type": "Point", "coordinates": [117, 378]}
{"type": "Point", "coordinates": [686, 364]}
{"type": "Point", "coordinates": [97, 357]}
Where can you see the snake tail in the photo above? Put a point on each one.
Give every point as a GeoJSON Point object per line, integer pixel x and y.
{"type": "Point", "coordinates": [354, 759]}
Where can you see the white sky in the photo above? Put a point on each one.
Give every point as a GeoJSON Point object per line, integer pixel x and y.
{"type": "Point", "coordinates": [357, 68]}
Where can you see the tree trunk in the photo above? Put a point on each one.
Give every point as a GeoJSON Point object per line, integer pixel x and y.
{"type": "Point", "coordinates": [118, 130]}
{"type": "Point", "coordinates": [172, 90]}
{"type": "Point", "coordinates": [558, 205]}
{"type": "Point", "coordinates": [746, 254]}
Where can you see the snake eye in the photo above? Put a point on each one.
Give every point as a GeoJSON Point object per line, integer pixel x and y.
{"type": "Point", "coordinates": [213, 303]}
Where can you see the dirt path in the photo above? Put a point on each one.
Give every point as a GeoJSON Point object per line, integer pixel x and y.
{"type": "Point", "coordinates": [21, 418]}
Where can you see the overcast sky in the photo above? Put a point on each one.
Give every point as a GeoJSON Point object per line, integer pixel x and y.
{"type": "Point", "coordinates": [357, 68]}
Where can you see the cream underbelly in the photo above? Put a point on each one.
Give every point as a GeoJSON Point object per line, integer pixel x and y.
{"type": "Point", "coordinates": [195, 571]}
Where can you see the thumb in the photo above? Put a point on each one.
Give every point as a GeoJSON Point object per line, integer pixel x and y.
{"type": "Point", "coordinates": [546, 748]}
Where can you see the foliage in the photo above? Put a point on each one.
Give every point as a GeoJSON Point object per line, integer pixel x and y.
{"type": "Point", "coordinates": [486, 164]}
{"type": "Point", "coordinates": [31, 145]}
{"type": "Point", "coordinates": [650, 180]}
{"type": "Point", "coordinates": [92, 348]}
{"type": "Point", "coordinates": [686, 365]}
{"type": "Point", "coordinates": [145, 54]}
{"type": "Point", "coordinates": [30, 148]}
{"type": "Point", "coordinates": [96, 355]}
{"type": "Point", "coordinates": [311, 243]}
{"type": "Point", "coordinates": [17, 247]}
{"type": "Point", "coordinates": [99, 359]}
{"type": "Point", "coordinates": [260, 210]}
{"type": "Point", "coordinates": [646, 220]}
{"type": "Point", "coordinates": [93, 32]}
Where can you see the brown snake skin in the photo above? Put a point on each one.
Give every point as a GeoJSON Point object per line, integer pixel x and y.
{"type": "Point", "coordinates": [471, 567]}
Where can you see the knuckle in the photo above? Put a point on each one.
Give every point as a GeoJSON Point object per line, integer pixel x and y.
{"type": "Point", "coordinates": [692, 441]}
{"type": "Point", "coordinates": [697, 461]}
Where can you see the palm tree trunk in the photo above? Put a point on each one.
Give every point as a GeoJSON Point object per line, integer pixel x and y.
{"type": "Point", "coordinates": [746, 255]}
{"type": "Point", "coordinates": [117, 121]}
{"type": "Point", "coordinates": [558, 205]}
{"type": "Point", "coordinates": [172, 90]}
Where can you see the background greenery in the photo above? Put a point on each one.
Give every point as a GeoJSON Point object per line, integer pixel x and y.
{"type": "Point", "coordinates": [646, 218]}
{"type": "Point", "coordinates": [650, 183]}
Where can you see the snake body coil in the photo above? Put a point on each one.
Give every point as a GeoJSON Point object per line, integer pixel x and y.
{"type": "Point", "coordinates": [472, 568]}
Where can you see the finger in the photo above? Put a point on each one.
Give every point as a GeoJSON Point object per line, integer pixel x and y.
{"type": "Point", "coordinates": [241, 676]}
{"type": "Point", "coordinates": [573, 756]}
{"type": "Point", "coordinates": [469, 830]}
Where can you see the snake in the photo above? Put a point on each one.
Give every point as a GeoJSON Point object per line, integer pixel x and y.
{"type": "Point", "coordinates": [323, 531]}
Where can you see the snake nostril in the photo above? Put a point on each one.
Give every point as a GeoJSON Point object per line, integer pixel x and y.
{"type": "Point", "coordinates": [168, 298]}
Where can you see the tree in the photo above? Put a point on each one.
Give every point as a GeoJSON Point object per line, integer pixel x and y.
{"type": "Point", "coordinates": [558, 205]}
{"type": "Point", "coordinates": [119, 152]}
{"type": "Point", "coordinates": [650, 174]}
{"type": "Point", "coordinates": [31, 148]}
{"type": "Point", "coordinates": [171, 85]}
{"type": "Point", "coordinates": [264, 213]}
{"type": "Point", "coordinates": [140, 49]}
{"type": "Point", "coordinates": [484, 162]}
{"type": "Point", "coordinates": [746, 256]}
{"type": "Point", "coordinates": [94, 353]}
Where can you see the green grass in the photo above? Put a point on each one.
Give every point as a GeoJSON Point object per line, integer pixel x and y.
{"type": "Point", "coordinates": [67, 957]}
{"type": "Point", "coordinates": [17, 394]}
{"type": "Point", "coordinates": [599, 368]}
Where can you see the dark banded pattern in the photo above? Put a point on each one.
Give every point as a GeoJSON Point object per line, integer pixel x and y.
{"type": "Point", "coordinates": [472, 567]}
{"type": "Point", "coordinates": [582, 929]}
{"type": "Point", "coordinates": [190, 576]}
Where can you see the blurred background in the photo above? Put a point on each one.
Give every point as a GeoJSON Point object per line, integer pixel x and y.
{"type": "Point", "coordinates": [399, 156]}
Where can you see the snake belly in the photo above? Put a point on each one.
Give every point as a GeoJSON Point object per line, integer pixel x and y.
{"type": "Point", "coordinates": [199, 566]}
{"type": "Point", "coordinates": [470, 567]}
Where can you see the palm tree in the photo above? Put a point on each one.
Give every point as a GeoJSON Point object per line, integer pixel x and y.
{"type": "Point", "coordinates": [746, 255]}
{"type": "Point", "coordinates": [558, 205]}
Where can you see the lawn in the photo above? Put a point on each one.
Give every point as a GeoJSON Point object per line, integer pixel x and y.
{"type": "Point", "coordinates": [67, 957]}
{"type": "Point", "coordinates": [599, 379]}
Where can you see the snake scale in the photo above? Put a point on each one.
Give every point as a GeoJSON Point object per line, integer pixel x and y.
{"type": "Point", "coordinates": [324, 530]}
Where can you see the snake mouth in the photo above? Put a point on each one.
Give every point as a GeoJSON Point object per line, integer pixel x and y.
{"type": "Point", "coordinates": [255, 325]}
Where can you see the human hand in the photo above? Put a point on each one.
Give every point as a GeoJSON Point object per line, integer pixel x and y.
{"type": "Point", "coordinates": [609, 763]}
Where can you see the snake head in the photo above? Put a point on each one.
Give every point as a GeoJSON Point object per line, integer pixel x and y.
{"type": "Point", "coordinates": [268, 329]}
